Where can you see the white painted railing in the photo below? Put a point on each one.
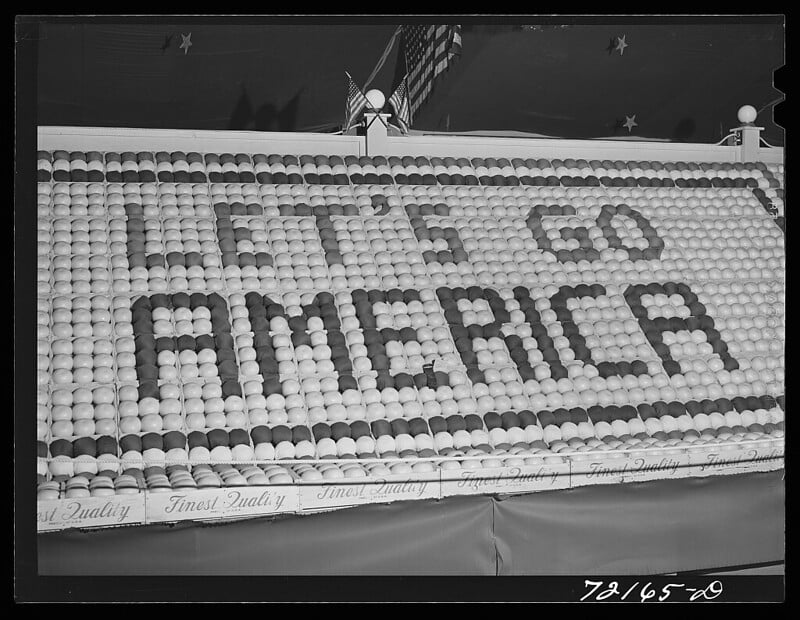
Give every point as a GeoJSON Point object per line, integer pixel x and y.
{"type": "Point", "coordinates": [431, 145]}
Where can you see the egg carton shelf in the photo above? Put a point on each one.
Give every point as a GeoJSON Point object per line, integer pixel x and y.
{"type": "Point", "coordinates": [305, 497]}
{"type": "Point", "coordinates": [247, 426]}
{"type": "Point", "coordinates": [739, 453]}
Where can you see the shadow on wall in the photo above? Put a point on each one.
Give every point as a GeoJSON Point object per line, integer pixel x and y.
{"type": "Point", "coordinates": [684, 130]}
{"type": "Point", "coordinates": [266, 117]}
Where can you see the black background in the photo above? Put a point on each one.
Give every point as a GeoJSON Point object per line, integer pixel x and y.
{"type": "Point", "coordinates": [684, 79]}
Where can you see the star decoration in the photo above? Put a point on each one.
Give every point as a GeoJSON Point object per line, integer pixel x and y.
{"type": "Point", "coordinates": [621, 45]}
{"type": "Point", "coordinates": [630, 122]}
{"type": "Point", "coordinates": [186, 43]}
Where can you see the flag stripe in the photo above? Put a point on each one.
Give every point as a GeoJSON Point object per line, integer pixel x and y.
{"type": "Point", "coordinates": [356, 102]}
{"type": "Point", "coordinates": [423, 64]}
{"type": "Point", "coordinates": [429, 52]}
{"type": "Point", "coordinates": [399, 103]}
{"type": "Point", "coordinates": [439, 64]}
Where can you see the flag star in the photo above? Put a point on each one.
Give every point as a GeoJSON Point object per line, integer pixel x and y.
{"type": "Point", "coordinates": [621, 45]}
{"type": "Point", "coordinates": [630, 122]}
{"type": "Point", "coordinates": [186, 42]}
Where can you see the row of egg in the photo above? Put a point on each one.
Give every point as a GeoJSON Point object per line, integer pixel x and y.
{"type": "Point", "coordinates": [394, 165]}
{"type": "Point", "coordinates": [76, 420]}
{"type": "Point", "coordinates": [77, 235]}
{"type": "Point", "coordinates": [360, 275]}
{"type": "Point", "coordinates": [89, 324]}
{"type": "Point", "coordinates": [189, 206]}
{"type": "Point", "coordinates": [63, 327]}
{"type": "Point", "coordinates": [178, 478]}
{"type": "Point", "coordinates": [395, 438]}
{"type": "Point", "coordinates": [454, 196]}
{"type": "Point", "coordinates": [739, 411]}
{"type": "Point", "coordinates": [706, 432]}
{"type": "Point", "coordinates": [473, 234]}
{"type": "Point", "coordinates": [407, 160]}
{"type": "Point", "coordinates": [754, 305]}
{"type": "Point", "coordinates": [292, 165]}
{"type": "Point", "coordinates": [201, 477]}
{"type": "Point", "coordinates": [263, 190]}
{"type": "Point", "coordinates": [192, 365]}
{"type": "Point", "coordinates": [354, 174]}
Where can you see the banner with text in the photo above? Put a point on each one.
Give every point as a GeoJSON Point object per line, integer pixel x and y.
{"type": "Point", "coordinates": [90, 512]}
{"type": "Point", "coordinates": [221, 504]}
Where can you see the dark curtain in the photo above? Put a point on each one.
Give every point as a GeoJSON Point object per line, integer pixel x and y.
{"type": "Point", "coordinates": [682, 82]}
{"type": "Point", "coordinates": [637, 528]}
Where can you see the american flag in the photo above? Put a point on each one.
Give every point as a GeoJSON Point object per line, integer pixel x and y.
{"type": "Point", "coordinates": [356, 101]}
{"type": "Point", "coordinates": [399, 103]}
{"type": "Point", "coordinates": [428, 51]}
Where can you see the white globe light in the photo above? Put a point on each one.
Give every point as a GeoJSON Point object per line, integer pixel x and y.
{"type": "Point", "coordinates": [376, 99]}
{"type": "Point", "coordinates": [747, 114]}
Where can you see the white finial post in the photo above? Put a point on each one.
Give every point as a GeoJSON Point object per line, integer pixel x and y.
{"type": "Point", "coordinates": [376, 123]}
{"type": "Point", "coordinates": [377, 132]}
{"type": "Point", "coordinates": [750, 135]}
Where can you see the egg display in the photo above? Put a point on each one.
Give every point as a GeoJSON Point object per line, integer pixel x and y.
{"type": "Point", "coordinates": [203, 317]}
